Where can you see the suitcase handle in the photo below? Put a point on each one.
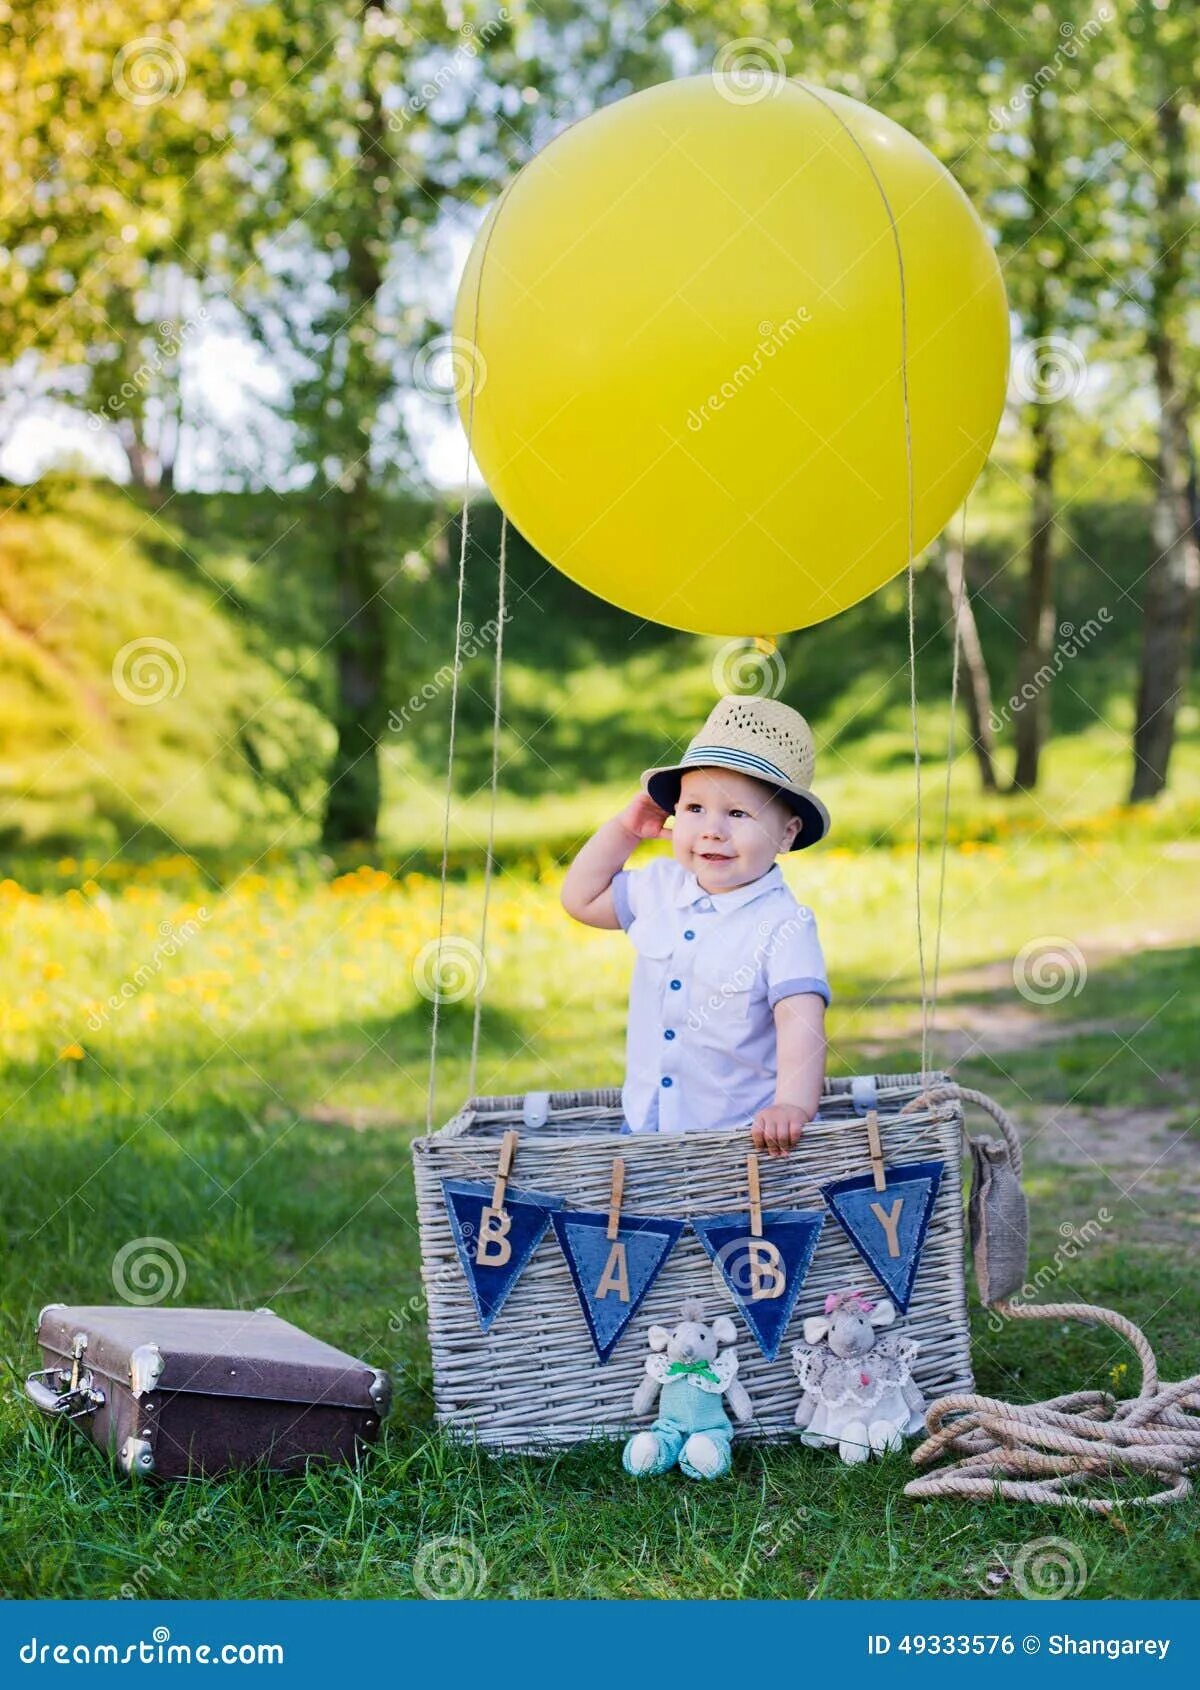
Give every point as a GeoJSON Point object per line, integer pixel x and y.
{"type": "Point", "coordinates": [59, 1403]}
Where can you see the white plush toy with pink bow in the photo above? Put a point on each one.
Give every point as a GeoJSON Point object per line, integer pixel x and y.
{"type": "Point", "coordinates": [859, 1391]}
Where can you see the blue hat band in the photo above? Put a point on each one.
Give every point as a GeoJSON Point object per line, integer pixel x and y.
{"type": "Point", "coordinates": [728, 758]}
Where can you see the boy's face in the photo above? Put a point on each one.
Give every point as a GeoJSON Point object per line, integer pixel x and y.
{"type": "Point", "coordinates": [729, 827]}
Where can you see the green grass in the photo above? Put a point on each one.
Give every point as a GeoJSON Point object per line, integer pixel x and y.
{"type": "Point", "coordinates": [253, 1096]}
{"type": "Point", "coordinates": [253, 1101]}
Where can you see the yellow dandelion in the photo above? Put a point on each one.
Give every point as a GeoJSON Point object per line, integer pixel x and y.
{"type": "Point", "coordinates": [71, 1053]}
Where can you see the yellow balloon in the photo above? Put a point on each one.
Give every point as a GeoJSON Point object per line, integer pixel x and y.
{"type": "Point", "coordinates": [679, 334]}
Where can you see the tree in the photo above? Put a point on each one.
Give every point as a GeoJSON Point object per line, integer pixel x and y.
{"type": "Point", "coordinates": [1166, 56]}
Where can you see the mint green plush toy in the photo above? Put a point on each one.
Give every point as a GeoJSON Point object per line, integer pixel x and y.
{"type": "Point", "coordinates": [694, 1377]}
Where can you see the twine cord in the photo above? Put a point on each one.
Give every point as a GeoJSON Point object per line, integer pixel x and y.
{"type": "Point", "coordinates": [1033, 1452]}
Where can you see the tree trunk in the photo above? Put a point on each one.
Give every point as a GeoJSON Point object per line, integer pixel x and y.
{"type": "Point", "coordinates": [1173, 579]}
{"type": "Point", "coordinates": [360, 642]}
{"type": "Point", "coordinates": [360, 652]}
{"type": "Point", "coordinates": [978, 691]}
{"type": "Point", "coordinates": [1033, 691]}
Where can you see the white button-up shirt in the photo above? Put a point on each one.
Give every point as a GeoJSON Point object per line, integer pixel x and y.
{"type": "Point", "coordinates": [701, 1048]}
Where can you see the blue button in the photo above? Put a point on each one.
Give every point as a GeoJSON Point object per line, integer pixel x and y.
{"type": "Point", "coordinates": [675, 985]}
{"type": "Point", "coordinates": [667, 1080]}
{"type": "Point", "coordinates": [670, 1033]}
{"type": "Point", "coordinates": [689, 934]}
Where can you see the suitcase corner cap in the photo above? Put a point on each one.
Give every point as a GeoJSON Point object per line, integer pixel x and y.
{"type": "Point", "coordinates": [145, 1368]}
{"type": "Point", "coordinates": [380, 1392]}
{"type": "Point", "coordinates": [136, 1457]}
{"type": "Point", "coordinates": [44, 1311]}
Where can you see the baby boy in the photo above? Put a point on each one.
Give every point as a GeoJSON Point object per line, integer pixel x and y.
{"type": "Point", "coordinates": [727, 1005]}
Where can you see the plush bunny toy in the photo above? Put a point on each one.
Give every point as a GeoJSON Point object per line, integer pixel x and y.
{"type": "Point", "coordinates": [859, 1393]}
{"type": "Point", "coordinates": [694, 1377]}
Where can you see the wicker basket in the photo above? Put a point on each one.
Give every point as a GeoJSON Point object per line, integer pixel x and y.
{"type": "Point", "coordinates": [534, 1382]}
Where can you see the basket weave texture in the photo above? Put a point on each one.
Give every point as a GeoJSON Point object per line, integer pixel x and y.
{"type": "Point", "coordinates": [534, 1381]}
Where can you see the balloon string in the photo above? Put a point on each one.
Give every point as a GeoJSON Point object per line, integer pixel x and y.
{"type": "Point", "coordinates": [912, 643]}
{"type": "Point", "coordinates": [464, 524]}
{"type": "Point", "coordinates": [959, 597]}
{"type": "Point", "coordinates": [491, 839]}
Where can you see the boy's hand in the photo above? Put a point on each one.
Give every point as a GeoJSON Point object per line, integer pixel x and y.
{"type": "Point", "coordinates": [643, 818]}
{"type": "Point", "coordinates": [777, 1128]}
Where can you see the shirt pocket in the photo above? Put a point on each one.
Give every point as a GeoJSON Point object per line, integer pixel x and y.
{"type": "Point", "coordinates": [652, 937]}
{"type": "Point", "coordinates": [722, 996]}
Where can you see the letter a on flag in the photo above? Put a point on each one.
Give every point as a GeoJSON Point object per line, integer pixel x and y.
{"type": "Point", "coordinates": [611, 1276]}
{"type": "Point", "coordinates": [888, 1227]}
{"type": "Point", "coordinates": [494, 1245]}
{"type": "Point", "coordinates": [764, 1274]}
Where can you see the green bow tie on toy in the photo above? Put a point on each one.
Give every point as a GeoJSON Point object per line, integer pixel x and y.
{"type": "Point", "coordinates": [704, 1370]}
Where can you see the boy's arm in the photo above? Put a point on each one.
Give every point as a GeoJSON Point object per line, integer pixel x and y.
{"type": "Point", "coordinates": [587, 886]}
{"type": "Point", "coordinates": [800, 1050]}
{"type": "Point", "coordinates": [800, 1062]}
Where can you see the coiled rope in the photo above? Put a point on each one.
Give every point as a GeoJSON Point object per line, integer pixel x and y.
{"type": "Point", "coordinates": [1045, 1452]}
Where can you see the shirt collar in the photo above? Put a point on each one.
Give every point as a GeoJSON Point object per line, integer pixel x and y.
{"type": "Point", "coordinates": [691, 891]}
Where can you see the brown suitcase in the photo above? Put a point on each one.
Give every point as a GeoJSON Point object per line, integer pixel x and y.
{"type": "Point", "coordinates": [199, 1391]}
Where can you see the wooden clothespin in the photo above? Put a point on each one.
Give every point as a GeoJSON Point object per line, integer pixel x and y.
{"type": "Point", "coordinates": [615, 1195]}
{"type": "Point", "coordinates": [756, 1230]}
{"type": "Point", "coordinates": [876, 1145]}
{"type": "Point", "coordinates": [508, 1149]}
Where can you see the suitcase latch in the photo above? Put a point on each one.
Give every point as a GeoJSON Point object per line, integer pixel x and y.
{"type": "Point", "coordinates": [71, 1394]}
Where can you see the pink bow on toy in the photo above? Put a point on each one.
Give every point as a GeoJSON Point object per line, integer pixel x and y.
{"type": "Point", "coordinates": [844, 1299]}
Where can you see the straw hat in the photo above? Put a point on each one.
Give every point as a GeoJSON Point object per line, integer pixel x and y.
{"type": "Point", "coordinates": [759, 737]}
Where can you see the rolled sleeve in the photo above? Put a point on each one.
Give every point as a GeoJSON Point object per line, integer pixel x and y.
{"type": "Point", "coordinates": [794, 961]}
{"type": "Point", "coordinates": [622, 896]}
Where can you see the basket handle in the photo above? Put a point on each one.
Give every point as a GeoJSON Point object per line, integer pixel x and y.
{"type": "Point", "coordinates": [950, 1090]}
